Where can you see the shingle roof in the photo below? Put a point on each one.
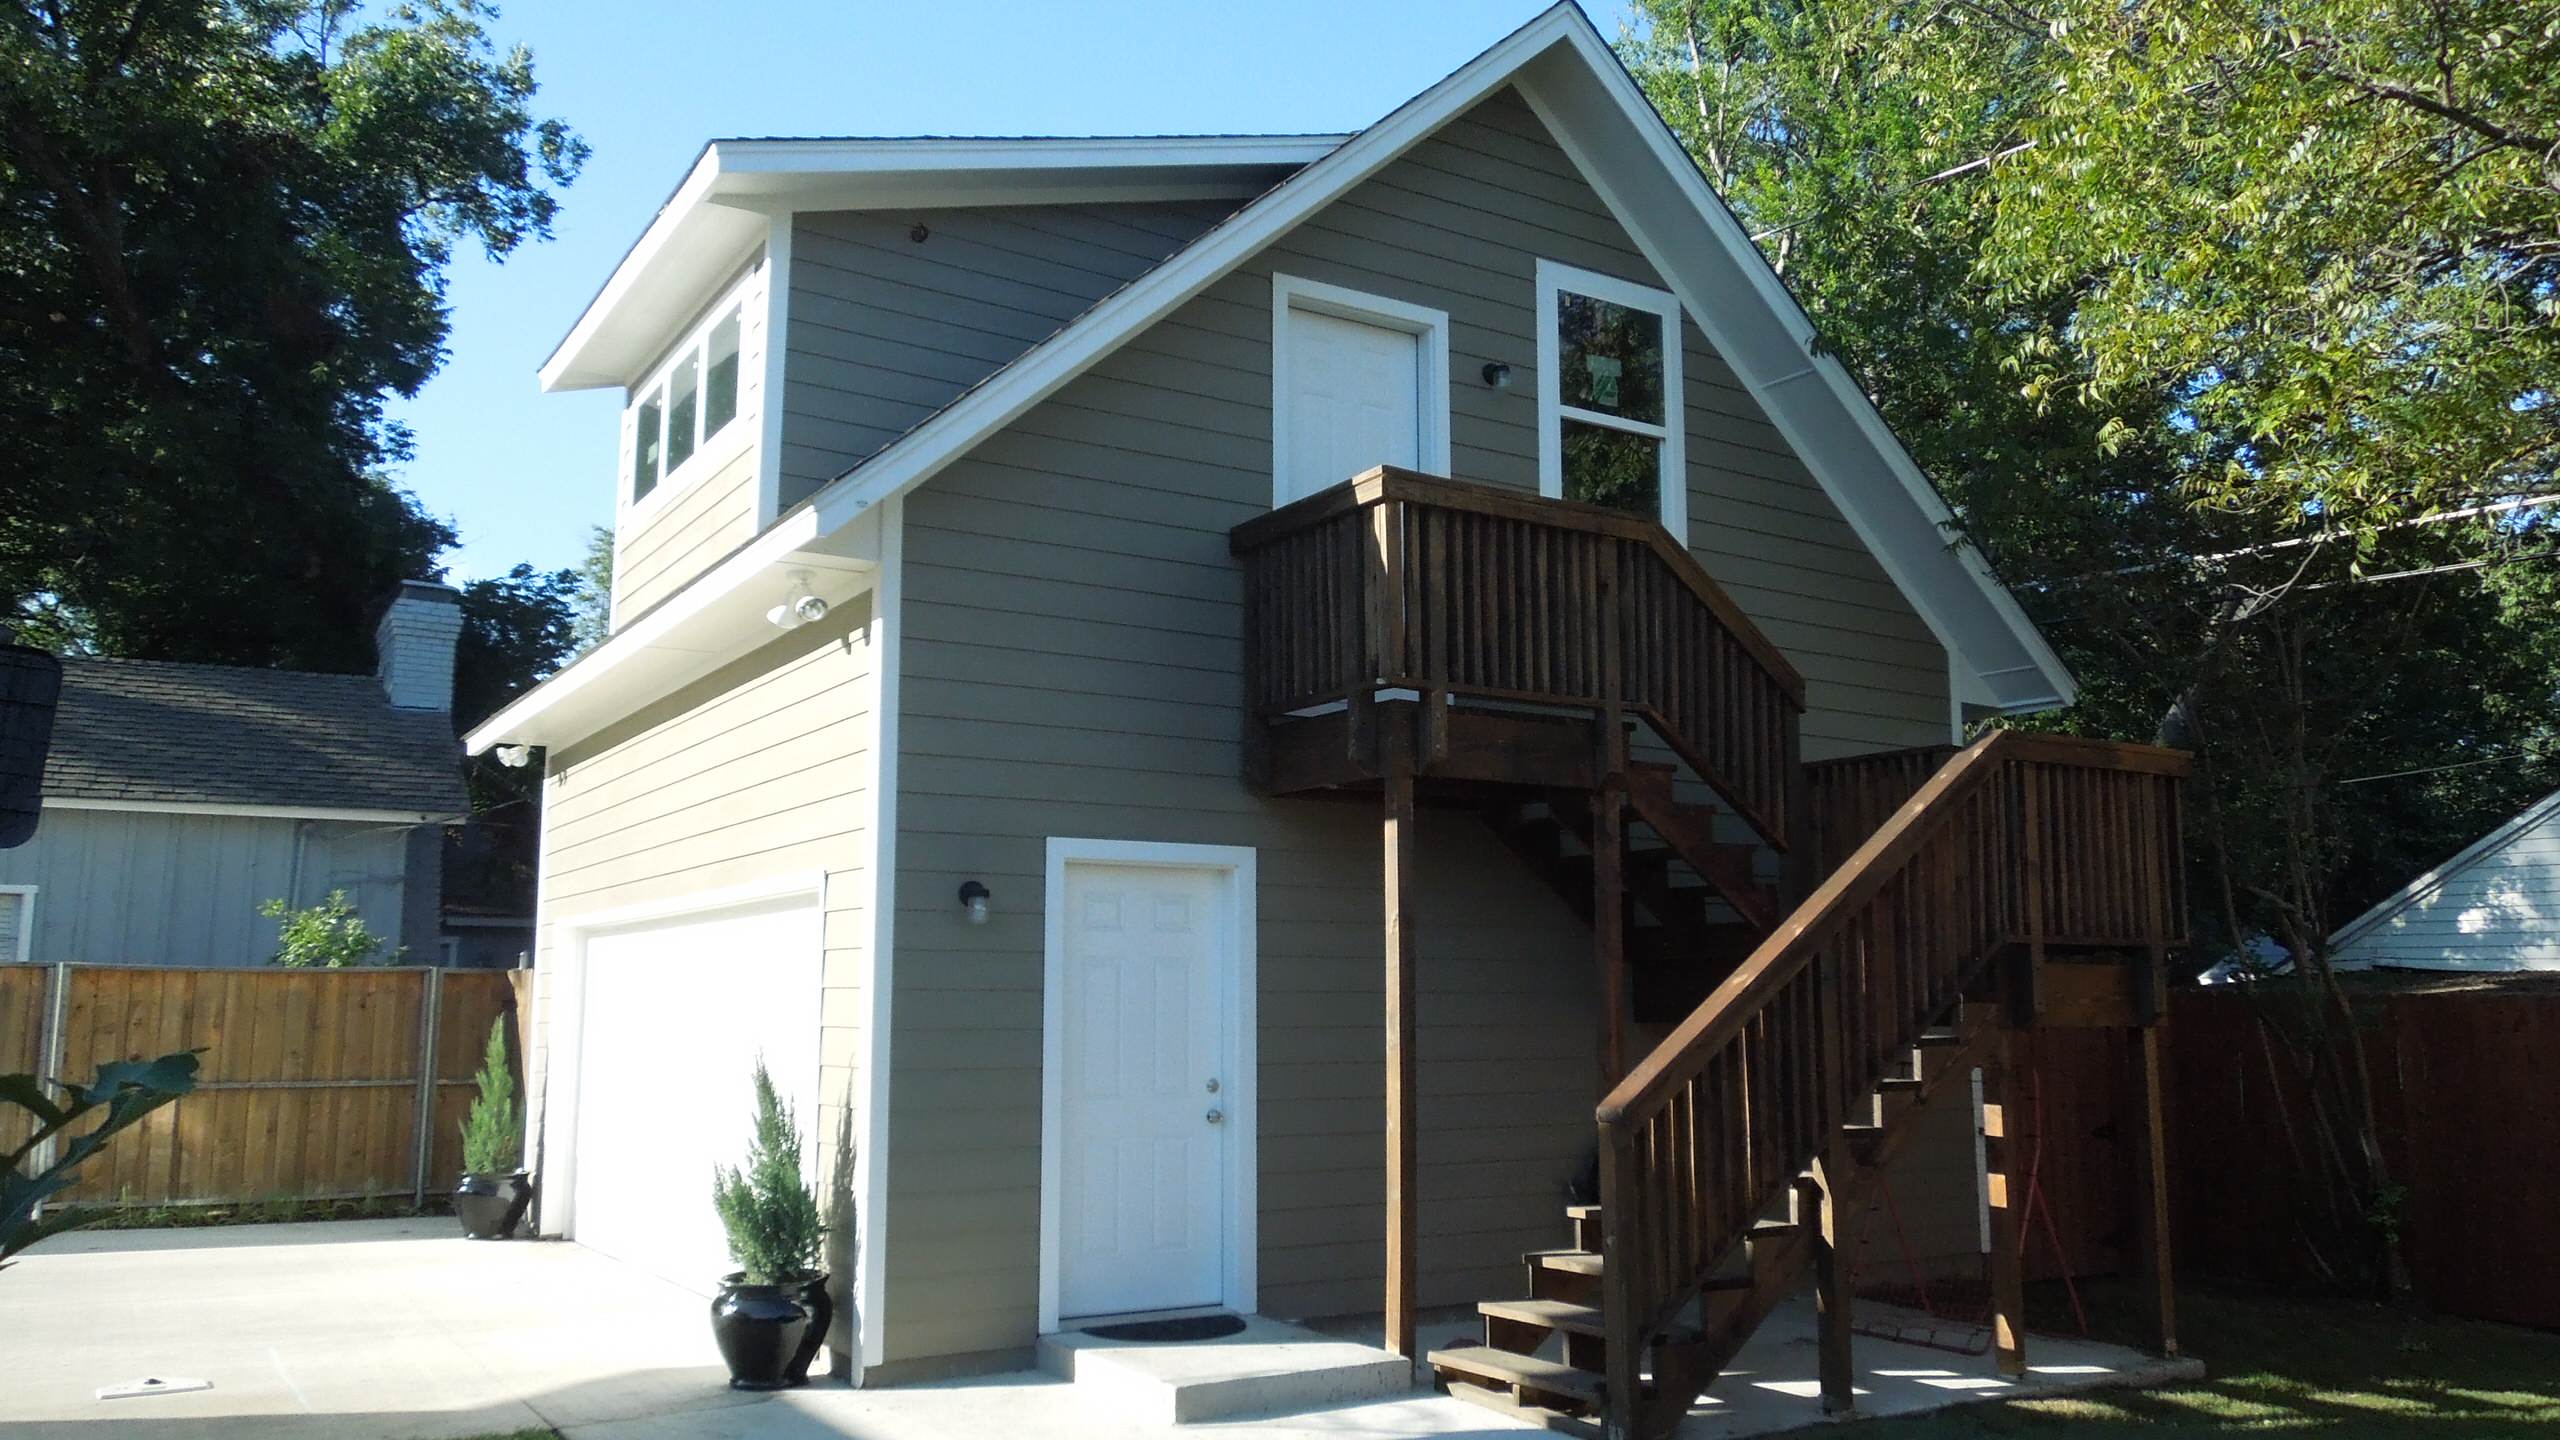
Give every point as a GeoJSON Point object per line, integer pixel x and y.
{"type": "Point", "coordinates": [146, 730]}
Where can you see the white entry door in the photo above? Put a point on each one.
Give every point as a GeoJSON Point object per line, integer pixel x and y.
{"type": "Point", "coordinates": [1142, 1160]}
{"type": "Point", "coordinates": [1353, 399]}
{"type": "Point", "coordinates": [672, 1016]}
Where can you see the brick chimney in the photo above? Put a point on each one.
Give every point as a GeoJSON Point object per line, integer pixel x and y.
{"type": "Point", "coordinates": [413, 645]}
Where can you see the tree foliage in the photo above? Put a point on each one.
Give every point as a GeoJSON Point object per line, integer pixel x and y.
{"type": "Point", "coordinates": [766, 1207]}
{"type": "Point", "coordinates": [2188, 322]}
{"type": "Point", "coordinates": [326, 936]}
{"type": "Point", "coordinates": [492, 1135]}
{"type": "Point", "coordinates": [226, 225]}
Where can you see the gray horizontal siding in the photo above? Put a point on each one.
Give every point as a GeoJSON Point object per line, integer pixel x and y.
{"type": "Point", "coordinates": [1072, 667]}
{"type": "Point", "coordinates": [886, 329]}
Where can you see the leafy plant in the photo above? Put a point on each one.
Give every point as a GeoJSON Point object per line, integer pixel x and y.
{"type": "Point", "coordinates": [771, 1217]}
{"type": "Point", "coordinates": [492, 1143]}
{"type": "Point", "coordinates": [326, 936]}
{"type": "Point", "coordinates": [126, 1090]}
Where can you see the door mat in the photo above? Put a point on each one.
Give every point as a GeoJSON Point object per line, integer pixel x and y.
{"type": "Point", "coordinates": [1165, 1332]}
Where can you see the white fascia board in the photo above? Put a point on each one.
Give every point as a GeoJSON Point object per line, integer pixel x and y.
{"type": "Point", "coordinates": [256, 812]}
{"type": "Point", "coordinates": [1685, 229]}
{"type": "Point", "coordinates": [715, 619]}
{"type": "Point", "coordinates": [940, 155]}
{"type": "Point", "coordinates": [2545, 809]}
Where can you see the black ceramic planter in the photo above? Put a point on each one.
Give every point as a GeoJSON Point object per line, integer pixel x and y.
{"type": "Point", "coordinates": [768, 1334]}
{"type": "Point", "coordinates": [491, 1206]}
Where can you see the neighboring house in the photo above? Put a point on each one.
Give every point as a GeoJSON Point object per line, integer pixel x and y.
{"type": "Point", "coordinates": [996, 634]}
{"type": "Point", "coordinates": [2494, 907]}
{"type": "Point", "coordinates": [178, 798]}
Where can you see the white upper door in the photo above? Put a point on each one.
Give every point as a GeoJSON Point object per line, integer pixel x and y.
{"type": "Point", "coordinates": [1142, 1166]}
{"type": "Point", "coordinates": [1353, 399]}
{"type": "Point", "coordinates": [672, 1017]}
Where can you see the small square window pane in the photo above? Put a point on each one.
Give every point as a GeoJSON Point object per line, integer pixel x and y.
{"type": "Point", "coordinates": [1610, 358]}
{"type": "Point", "coordinates": [684, 401]}
{"type": "Point", "coordinates": [720, 387]}
{"type": "Point", "coordinates": [1616, 468]}
{"type": "Point", "coordinates": [647, 445]}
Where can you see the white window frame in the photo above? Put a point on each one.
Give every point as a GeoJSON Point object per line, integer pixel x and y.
{"type": "Point", "coordinates": [1555, 277]}
{"type": "Point", "coordinates": [1239, 1003]}
{"type": "Point", "coordinates": [1292, 293]}
{"type": "Point", "coordinates": [26, 924]}
{"type": "Point", "coordinates": [715, 451]}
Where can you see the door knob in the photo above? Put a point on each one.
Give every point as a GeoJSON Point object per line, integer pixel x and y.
{"type": "Point", "coordinates": [1215, 1116]}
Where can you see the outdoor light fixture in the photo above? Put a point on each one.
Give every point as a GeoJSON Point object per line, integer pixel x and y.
{"type": "Point", "coordinates": [515, 757]}
{"type": "Point", "coordinates": [798, 608]}
{"type": "Point", "coordinates": [1497, 375]}
{"type": "Point", "coordinates": [973, 901]}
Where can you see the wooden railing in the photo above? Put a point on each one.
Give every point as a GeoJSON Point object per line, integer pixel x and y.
{"type": "Point", "coordinates": [2017, 837]}
{"type": "Point", "coordinates": [1403, 581]}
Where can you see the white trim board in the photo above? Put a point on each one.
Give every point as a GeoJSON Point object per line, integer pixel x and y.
{"type": "Point", "coordinates": [255, 812]}
{"type": "Point", "coordinates": [1241, 1095]}
{"type": "Point", "coordinates": [1429, 327]}
{"type": "Point", "coordinates": [873, 1075]}
{"type": "Point", "coordinates": [26, 923]}
{"type": "Point", "coordinates": [1554, 279]}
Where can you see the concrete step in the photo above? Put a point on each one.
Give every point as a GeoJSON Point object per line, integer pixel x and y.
{"type": "Point", "coordinates": [1268, 1367]}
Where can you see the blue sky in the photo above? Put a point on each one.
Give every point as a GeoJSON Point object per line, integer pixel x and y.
{"type": "Point", "coordinates": [523, 475]}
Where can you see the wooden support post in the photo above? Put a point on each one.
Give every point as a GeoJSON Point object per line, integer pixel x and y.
{"type": "Point", "coordinates": [2003, 1154]}
{"type": "Point", "coordinates": [1818, 1211]}
{"type": "Point", "coordinates": [1403, 1229]}
{"type": "Point", "coordinates": [2151, 1187]}
{"type": "Point", "coordinates": [1609, 922]}
{"type": "Point", "coordinates": [1622, 1402]}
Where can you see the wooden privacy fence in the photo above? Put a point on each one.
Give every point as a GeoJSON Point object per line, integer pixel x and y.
{"type": "Point", "coordinates": [315, 1084]}
{"type": "Point", "coordinates": [2467, 1092]}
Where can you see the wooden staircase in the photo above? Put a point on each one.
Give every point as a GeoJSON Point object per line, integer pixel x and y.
{"type": "Point", "coordinates": [1726, 1155]}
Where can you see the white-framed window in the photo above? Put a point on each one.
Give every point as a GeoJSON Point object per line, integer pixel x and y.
{"type": "Point", "coordinates": [17, 923]}
{"type": "Point", "coordinates": [1609, 395]}
{"type": "Point", "coordinates": [683, 420]}
{"type": "Point", "coordinates": [1356, 380]}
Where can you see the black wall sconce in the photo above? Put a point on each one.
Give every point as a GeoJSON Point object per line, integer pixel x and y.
{"type": "Point", "coordinates": [973, 901]}
{"type": "Point", "coordinates": [1497, 375]}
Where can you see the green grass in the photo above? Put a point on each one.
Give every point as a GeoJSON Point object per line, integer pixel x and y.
{"type": "Point", "coordinates": [282, 1210]}
{"type": "Point", "coordinates": [2281, 1366]}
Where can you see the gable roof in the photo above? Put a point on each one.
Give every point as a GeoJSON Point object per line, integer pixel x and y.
{"type": "Point", "coordinates": [2368, 930]}
{"type": "Point", "coordinates": [1588, 101]}
{"type": "Point", "coordinates": [153, 734]}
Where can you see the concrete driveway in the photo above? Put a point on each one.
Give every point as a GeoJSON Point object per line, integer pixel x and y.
{"type": "Point", "coordinates": [349, 1330]}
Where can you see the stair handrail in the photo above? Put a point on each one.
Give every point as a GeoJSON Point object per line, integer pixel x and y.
{"type": "Point", "coordinates": [1768, 1061]}
{"type": "Point", "coordinates": [1364, 628]}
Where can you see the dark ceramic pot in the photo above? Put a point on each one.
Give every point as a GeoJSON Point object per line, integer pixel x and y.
{"type": "Point", "coordinates": [491, 1206]}
{"type": "Point", "coordinates": [768, 1334]}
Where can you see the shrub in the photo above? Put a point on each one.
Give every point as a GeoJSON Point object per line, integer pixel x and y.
{"type": "Point", "coordinates": [492, 1141]}
{"type": "Point", "coordinates": [326, 936]}
{"type": "Point", "coordinates": [771, 1217]}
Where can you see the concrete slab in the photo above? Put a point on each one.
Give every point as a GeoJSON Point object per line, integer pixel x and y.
{"type": "Point", "coordinates": [342, 1330]}
{"type": "Point", "coordinates": [1266, 1368]}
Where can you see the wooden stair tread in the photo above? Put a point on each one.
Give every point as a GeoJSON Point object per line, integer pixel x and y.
{"type": "Point", "coordinates": [1486, 1365]}
{"type": "Point", "coordinates": [1554, 1314]}
{"type": "Point", "coordinates": [1940, 1039]}
{"type": "Point", "coordinates": [1580, 1262]}
{"type": "Point", "coordinates": [1582, 1212]}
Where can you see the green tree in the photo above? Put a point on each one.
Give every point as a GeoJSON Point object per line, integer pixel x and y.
{"type": "Point", "coordinates": [2363, 698]}
{"type": "Point", "coordinates": [517, 629]}
{"type": "Point", "coordinates": [226, 225]}
{"type": "Point", "coordinates": [766, 1207]}
{"type": "Point", "coordinates": [595, 596]}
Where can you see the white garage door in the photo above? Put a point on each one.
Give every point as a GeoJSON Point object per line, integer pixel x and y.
{"type": "Point", "coordinates": [674, 1015]}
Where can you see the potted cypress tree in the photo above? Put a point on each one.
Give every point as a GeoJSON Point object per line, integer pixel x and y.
{"type": "Point", "coordinates": [771, 1314]}
{"type": "Point", "coordinates": [494, 1192]}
